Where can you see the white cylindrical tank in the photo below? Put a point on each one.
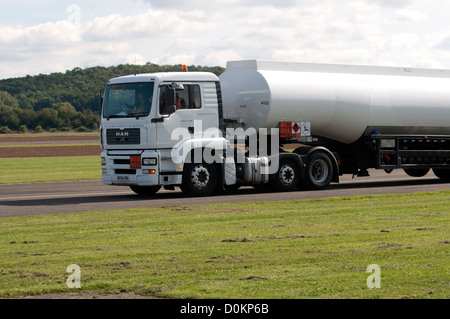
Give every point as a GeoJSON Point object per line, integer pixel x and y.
{"type": "Point", "coordinates": [342, 102]}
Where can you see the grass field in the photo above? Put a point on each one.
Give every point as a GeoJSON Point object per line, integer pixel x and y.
{"type": "Point", "coordinates": [48, 145]}
{"type": "Point", "coordinates": [299, 249]}
{"type": "Point", "coordinates": [48, 134]}
{"type": "Point", "coordinates": [49, 169]}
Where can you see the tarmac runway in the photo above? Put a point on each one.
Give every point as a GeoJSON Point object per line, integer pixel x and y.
{"type": "Point", "coordinates": [69, 197]}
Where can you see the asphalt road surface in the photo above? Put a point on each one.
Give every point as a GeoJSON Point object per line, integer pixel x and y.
{"type": "Point", "coordinates": [67, 197]}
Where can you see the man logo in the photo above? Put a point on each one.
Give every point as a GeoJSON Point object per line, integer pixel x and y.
{"type": "Point", "coordinates": [122, 134]}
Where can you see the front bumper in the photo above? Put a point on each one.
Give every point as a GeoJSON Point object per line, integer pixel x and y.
{"type": "Point", "coordinates": [119, 168]}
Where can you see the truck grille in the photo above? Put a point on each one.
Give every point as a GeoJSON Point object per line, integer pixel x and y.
{"type": "Point", "coordinates": [123, 137]}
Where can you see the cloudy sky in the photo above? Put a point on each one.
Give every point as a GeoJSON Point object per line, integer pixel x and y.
{"type": "Point", "coordinates": [45, 36]}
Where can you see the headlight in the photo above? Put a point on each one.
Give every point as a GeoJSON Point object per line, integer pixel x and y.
{"type": "Point", "coordinates": [149, 161]}
{"type": "Point", "coordinates": [103, 161]}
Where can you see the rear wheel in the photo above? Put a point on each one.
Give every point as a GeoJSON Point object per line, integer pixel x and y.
{"type": "Point", "coordinates": [442, 173]}
{"type": "Point", "coordinates": [199, 179]}
{"type": "Point", "coordinates": [319, 170]}
{"type": "Point", "coordinates": [287, 177]}
{"type": "Point", "coordinates": [416, 172]}
{"type": "Point", "coordinates": [145, 190]}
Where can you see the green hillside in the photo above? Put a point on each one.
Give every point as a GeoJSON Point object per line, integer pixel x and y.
{"type": "Point", "coordinates": [65, 101]}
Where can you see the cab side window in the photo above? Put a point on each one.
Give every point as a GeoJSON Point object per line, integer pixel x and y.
{"type": "Point", "coordinates": [189, 98]}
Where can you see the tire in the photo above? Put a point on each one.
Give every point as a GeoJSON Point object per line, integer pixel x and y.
{"type": "Point", "coordinates": [416, 172]}
{"type": "Point", "coordinates": [145, 190]}
{"type": "Point", "coordinates": [442, 173]}
{"type": "Point", "coordinates": [319, 170]}
{"type": "Point", "coordinates": [199, 179]}
{"type": "Point", "coordinates": [287, 177]}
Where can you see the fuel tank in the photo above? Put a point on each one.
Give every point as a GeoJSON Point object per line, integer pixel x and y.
{"type": "Point", "coordinates": [342, 102]}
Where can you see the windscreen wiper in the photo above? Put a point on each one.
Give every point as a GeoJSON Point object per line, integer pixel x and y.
{"type": "Point", "coordinates": [137, 114]}
{"type": "Point", "coordinates": [113, 116]}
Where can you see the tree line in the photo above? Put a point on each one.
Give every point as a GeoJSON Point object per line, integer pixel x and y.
{"type": "Point", "coordinates": [65, 101]}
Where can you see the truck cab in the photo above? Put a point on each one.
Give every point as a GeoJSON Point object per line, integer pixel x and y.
{"type": "Point", "coordinates": [146, 122]}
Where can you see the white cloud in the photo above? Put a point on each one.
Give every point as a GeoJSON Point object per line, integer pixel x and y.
{"type": "Point", "coordinates": [47, 34]}
{"type": "Point", "coordinates": [400, 32]}
{"type": "Point", "coordinates": [220, 4]}
{"type": "Point", "coordinates": [411, 15]}
{"type": "Point", "coordinates": [152, 23]}
{"type": "Point", "coordinates": [394, 3]}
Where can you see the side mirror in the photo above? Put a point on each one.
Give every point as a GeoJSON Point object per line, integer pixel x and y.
{"type": "Point", "coordinates": [102, 92]}
{"type": "Point", "coordinates": [171, 92]}
{"type": "Point", "coordinates": [170, 96]}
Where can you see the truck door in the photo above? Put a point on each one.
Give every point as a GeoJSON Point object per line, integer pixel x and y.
{"type": "Point", "coordinates": [188, 106]}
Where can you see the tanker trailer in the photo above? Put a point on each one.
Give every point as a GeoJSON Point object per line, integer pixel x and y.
{"type": "Point", "coordinates": [347, 119]}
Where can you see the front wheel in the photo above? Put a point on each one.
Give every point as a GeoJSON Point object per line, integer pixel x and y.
{"type": "Point", "coordinates": [199, 179]}
{"type": "Point", "coordinates": [287, 177]}
{"type": "Point", "coordinates": [319, 171]}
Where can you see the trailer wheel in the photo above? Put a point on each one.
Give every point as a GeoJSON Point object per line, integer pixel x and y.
{"type": "Point", "coordinates": [442, 173]}
{"type": "Point", "coordinates": [416, 172]}
{"type": "Point", "coordinates": [199, 179]}
{"type": "Point", "coordinates": [319, 170]}
{"type": "Point", "coordinates": [145, 190]}
{"type": "Point", "coordinates": [287, 177]}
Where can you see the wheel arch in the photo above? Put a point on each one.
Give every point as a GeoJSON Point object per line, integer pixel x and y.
{"type": "Point", "coordinates": [219, 162]}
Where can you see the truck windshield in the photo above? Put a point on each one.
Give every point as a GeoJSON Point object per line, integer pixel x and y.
{"type": "Point", "coordinates": [128, 100]}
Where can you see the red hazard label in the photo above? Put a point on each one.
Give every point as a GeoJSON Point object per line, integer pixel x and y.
{"type": "Point", "coordinates": [295, 127]}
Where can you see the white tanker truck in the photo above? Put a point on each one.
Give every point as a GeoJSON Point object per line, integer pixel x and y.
{"type": "Point", "coordinates": [204, 133]}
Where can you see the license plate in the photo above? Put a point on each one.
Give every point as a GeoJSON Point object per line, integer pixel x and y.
{"type": "Point", "coordinates": [123, 178]}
